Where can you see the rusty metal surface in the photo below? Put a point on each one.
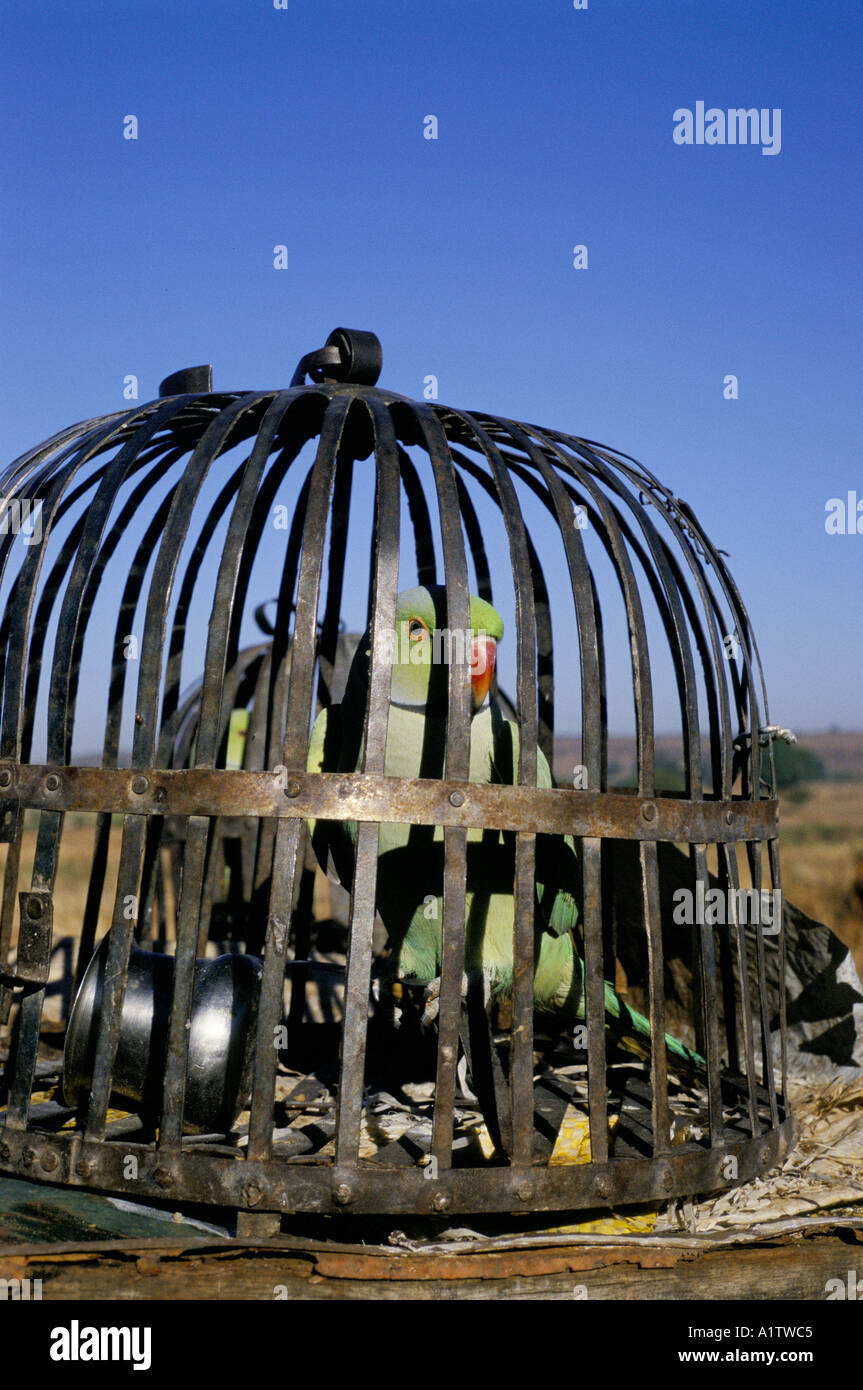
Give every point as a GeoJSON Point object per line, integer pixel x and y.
{"type": "Point", "coordinates": [33, 961]}
{"type": "Point", "coordinates": [373, 797]}
{"type": "Point", "coordinates": [196, 473]}
{"type": "Point", "coordinates": [281, 1186]}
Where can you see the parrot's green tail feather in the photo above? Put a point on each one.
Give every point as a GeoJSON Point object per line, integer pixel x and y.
{"type": "Point", "coordinates": [632, 1031]}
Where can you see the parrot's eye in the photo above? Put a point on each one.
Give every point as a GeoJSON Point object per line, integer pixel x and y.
{"type": "Point", "coordinates": [417, 629]}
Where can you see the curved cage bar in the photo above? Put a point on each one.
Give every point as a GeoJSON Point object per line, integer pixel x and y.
{"type": "Point", "coordinates": [146, 543]}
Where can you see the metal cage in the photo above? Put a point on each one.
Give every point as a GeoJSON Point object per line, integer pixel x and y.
{"type": "Point", "coordinates": [137, 572]}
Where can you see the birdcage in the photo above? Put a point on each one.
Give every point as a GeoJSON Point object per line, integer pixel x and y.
{"type": "Point", "coordinates": [239, 1037]}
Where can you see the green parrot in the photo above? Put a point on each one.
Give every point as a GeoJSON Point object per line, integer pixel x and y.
{"type": "Point", "coordinates": [411, 858]}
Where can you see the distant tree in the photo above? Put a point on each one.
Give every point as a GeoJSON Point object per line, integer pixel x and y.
{"type": "Point", "coordinates": [669, 775]}
{"type": "Point", "coordinates": [795, 764]}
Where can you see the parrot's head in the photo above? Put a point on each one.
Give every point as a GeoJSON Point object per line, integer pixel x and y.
{"type": "Point", "coordinates": [424, 646]}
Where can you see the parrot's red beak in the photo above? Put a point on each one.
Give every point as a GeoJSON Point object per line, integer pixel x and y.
{"type": "Point", "coordinates": [483, 650]}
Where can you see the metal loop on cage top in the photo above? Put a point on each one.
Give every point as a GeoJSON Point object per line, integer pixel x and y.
{"type": "Point", "coordinates": [487, 816]}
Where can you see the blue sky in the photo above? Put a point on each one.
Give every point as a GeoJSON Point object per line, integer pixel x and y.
{"type": "Point", "coordinates": [260, 126]}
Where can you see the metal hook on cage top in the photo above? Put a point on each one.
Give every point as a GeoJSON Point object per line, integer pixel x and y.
{"type": "Point", "coordinates": [770, 731]}
{"type": "Point", "coordinates": [349, 355]}
{"type": "Point", "coordinates": [743, 743]}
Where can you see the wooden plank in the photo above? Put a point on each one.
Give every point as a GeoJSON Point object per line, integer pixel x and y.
{"type": "Point", "coordinates": [791, 1269]}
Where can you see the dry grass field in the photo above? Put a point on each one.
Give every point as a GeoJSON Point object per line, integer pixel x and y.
{"type": "Point", "coordinates": [821, 845]}
{"type": "Point", "coordinates": [73, 872]}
